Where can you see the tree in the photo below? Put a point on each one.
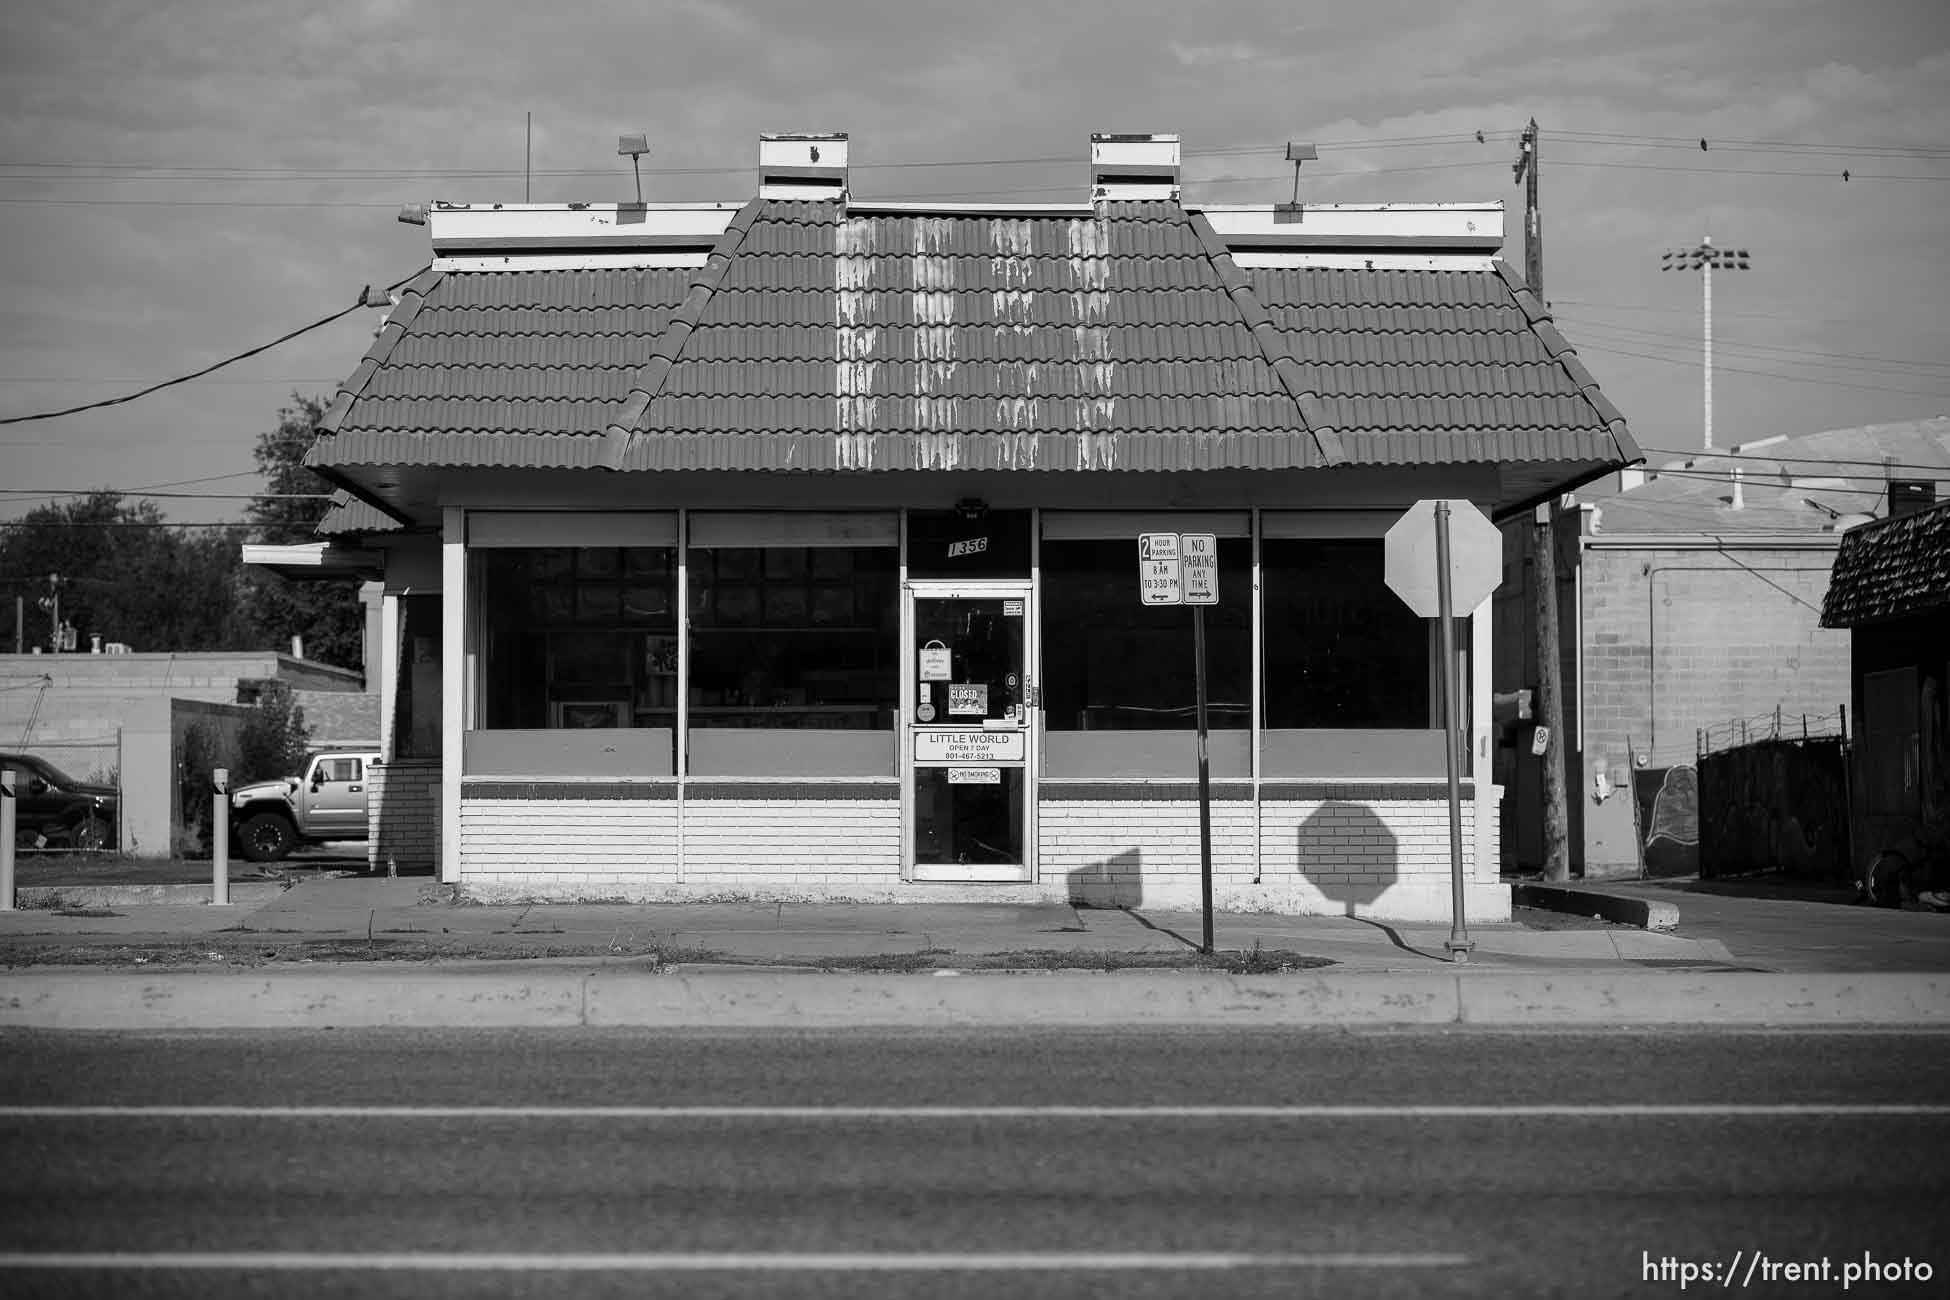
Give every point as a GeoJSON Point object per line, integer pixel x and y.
{"type": "Point", "coordinates": [327, 614]}
{"type": "Point", "coordinates": [120, 574]}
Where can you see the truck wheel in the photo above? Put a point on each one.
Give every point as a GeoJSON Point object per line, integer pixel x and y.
{"type": "Point", "coordinates": [266, 837]}
{"type": "Point", "coordinates": [90, 835]}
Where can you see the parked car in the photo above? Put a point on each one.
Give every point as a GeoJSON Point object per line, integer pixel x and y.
{"type": "Point", "coordinates": [326, 801]}
{"type": "Point", "coordinates": [56, 811]}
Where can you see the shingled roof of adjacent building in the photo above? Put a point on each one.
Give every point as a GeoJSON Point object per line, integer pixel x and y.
{"type": "Point", "coordinates": [1891, 568]}
{"type": "Point", "coordinates": [818, 337]}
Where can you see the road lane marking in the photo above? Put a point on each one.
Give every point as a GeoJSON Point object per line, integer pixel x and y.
{"type": "Point", "coordinates": [677, 1262]}
{"type": "Point", "coordinates": [1839, 1110]}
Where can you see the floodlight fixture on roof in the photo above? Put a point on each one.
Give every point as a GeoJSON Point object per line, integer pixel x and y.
{"type": "Point", "coordinates": [1297, 152]}
{"type": "Point", "coordinates": [635, 146]}
{"type": "Point", "coordinates": [413, 214]}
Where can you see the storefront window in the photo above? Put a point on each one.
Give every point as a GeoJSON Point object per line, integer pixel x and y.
{"type": "Point", "coordinates": [1349, 668]}
{"type": "Point", "coordinates": [578, 639]}
{"type": "Point", "coordinates": [799, 640]}
{"type": "Point", "coordinates": [416, 715]}
{"type": "Point", "coordinates": [1119, 688]}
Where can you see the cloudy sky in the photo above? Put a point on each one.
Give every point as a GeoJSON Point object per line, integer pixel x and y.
{"type": "Point", "coordinates": [181, 180]}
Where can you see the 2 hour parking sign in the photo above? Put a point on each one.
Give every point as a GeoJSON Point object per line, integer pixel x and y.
{"type": "Point", "coordinates": [1160, 571]}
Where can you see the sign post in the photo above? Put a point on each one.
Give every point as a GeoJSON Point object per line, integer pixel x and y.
{"type": "Point", "coordinates": [1200, 553]}
{"type": "Point", "coordinates": [1458, 943]}
{"type": "Point", "coordinates": [1438, 555]}
{"type": "Point", "coordinates": [1175, 570]}
{"type": "Point", "coordinates": [9, 819]}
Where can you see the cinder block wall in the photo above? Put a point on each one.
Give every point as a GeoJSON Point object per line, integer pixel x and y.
{"type": "Point", "coordinates": [1676, 641]}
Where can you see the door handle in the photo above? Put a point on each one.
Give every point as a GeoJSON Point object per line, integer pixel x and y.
{"type": "Point", "coordinates": [354, 789]}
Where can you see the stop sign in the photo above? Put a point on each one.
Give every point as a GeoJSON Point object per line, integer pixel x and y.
{"type": "Point", "coordinates": [1475, 558]}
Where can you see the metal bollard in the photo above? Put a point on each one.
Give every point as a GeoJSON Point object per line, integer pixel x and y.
{"type": "Point", "coordinates": [220, 841]}
{"type": "Point", "coordinates": [9, 819]}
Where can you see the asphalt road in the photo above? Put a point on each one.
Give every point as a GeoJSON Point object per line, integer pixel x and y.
{"type": "Point", "coordinates": [557, 1163]}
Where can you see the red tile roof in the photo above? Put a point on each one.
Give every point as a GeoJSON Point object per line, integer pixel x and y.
{"type": "Point", "coordinates": [816, 338]}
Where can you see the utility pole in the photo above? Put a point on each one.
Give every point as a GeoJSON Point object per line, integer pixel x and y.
{"type": "Point", "coordinates": [52, 604]}
{"type": "Point", "coordinates": [1543, 569]}
{"type": "Point", "coordinates": [1533, 217]}
{"type": "Point", "coordinates": [1703, 259]}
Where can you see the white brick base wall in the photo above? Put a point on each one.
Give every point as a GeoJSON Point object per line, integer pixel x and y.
{"type": "Point", "coordinates": [566, 848]}
{"type": "Point", "coordinates": [733, 848]}
{"type": "Point", "coordinates": [1381, 858]}
{"type": "Point", "coordinates": [790, 844]}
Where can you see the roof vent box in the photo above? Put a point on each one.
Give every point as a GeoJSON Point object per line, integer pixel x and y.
{"type": "Point", "coordinates": [1133, 168]}
{"type": "Point", "coordinates": [802, 166]}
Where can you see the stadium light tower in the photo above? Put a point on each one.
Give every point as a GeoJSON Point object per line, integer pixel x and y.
{"type": "Point", "coordinates": [1704, 259]}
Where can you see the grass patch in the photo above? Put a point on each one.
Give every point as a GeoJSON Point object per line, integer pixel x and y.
{"type": "Point", "coordinates": [230, 949]}
{"type": "Point", "coordinates": [1257, 961]}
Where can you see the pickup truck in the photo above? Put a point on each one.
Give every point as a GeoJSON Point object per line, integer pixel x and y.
{"type": "Point", "coordinates": [52, 809]}
{"type": "Point", "coordinates": [327, 802]}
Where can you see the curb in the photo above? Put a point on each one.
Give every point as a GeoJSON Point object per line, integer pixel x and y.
{"type": "Point", "coordinates": [1621, 909]}
{"type": "Point", "coordinates": [50, 897]}
{"type": "Point", "coordinates": [581, 998]}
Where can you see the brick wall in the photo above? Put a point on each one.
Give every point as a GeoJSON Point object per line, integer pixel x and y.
{"type": "Point", "coordinates": [587, 848]}
{"type": "Point", "coordinates": [403, 813]}
{"type": "Point", "coordinates": [1140, 852]}
{"type": "Point", "coordinates": [1675, 641]}
{"type": "Point", "coordinates": [1379, 857]}
{"type": "Point", "coordinates": [1357, 856]}
{"type": "Point", "coordinates": [792, 844]}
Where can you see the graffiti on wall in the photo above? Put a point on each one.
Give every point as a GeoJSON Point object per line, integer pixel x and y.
{"type": "Point", "coordinates": [1668, 808]}
{"type": "Point", "coordinates": [1777, 805]}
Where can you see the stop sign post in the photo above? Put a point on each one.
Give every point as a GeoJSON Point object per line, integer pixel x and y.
{"type": "Point", "coordinates": [1439, 554]}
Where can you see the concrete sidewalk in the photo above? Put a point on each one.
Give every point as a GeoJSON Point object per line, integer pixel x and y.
{"type": "Point", "coordinates": [412, 917]}
{"type": "Point", "coordinates": [317, 954]}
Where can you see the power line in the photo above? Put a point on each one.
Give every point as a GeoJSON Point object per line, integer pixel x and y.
{"type": "Point", "coordinates": [1743, 171]}
{"type": "Point", "coordinates": [1749, 315]}
{"type": "Point", "coordinates": [186, 496]}
{"type": "Point", "coordinates": [1768, 347]}
{"type": "Point", "coordinates": [1740, 145]}
{"type": "Point", "coordinates": [1758, 351]}
{"type": "Point", "coordinates": [1763, 481]}
{"type": "Point", "coordinates": [115, 523]}
{"type": "Point", "coordinates": [198, 374]}
{"type": "Point", "coordinates": [217, 171]}
{"type": "Point", "coordinates": [1759, 456]}
{"type": "Point", "coordinates": [104, 379]}
{"type": "Point", "coordinates": [1615, 350]}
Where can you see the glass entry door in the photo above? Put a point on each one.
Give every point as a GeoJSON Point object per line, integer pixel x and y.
{"type": "Point", "coordinates": [968, 732]}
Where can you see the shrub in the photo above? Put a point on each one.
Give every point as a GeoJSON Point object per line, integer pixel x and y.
{"type": "Point", "coordinates": [274, 737]}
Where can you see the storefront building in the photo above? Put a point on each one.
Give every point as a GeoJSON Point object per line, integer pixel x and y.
{"type": "Point", "coordinates": [788, 548]}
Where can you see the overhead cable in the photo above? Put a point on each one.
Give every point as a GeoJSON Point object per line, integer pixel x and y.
{"type": "Point", "coordinates": [198, 374]}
